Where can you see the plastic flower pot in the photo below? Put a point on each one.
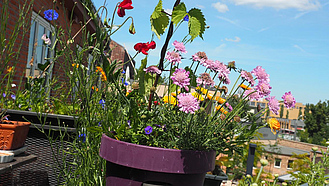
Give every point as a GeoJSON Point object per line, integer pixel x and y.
{"type": "Point", "coordinates": [136, 165]}
{"type": "Point", "coordinates": [13, 134]}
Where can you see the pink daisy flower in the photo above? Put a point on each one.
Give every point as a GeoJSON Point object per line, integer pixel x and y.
{"type": "Point", "coordinates": [205, 80]}
{"type": "Point", "coordinates": [223, 73]}
{"type": "Point", "coordinates": [273, 104]}
{"type": "Point", "coordinates": [229, 107]}
{"type": "Point", "coordinates": [289, 100]}
{"type": "Point", "coordinates": [187, 103]}
{"type": "Point", "coordinates": [199, 57]}
{"type": "Point", "coordinates": [152, 70]}
{"type": "Point", "coordinates": [252, 94]}
{"type": "Point", "coordinates": [179, 46]}
{"type": "Point", "coordinates": [248, 77]}
{"type": "Point", "coordinates": [260, 73]}
{"type": "Point", "coordinates": [173, 57]}
{"type": "Point", "coordinates": [181, 78]}
{"type": "Point", "coordinates": [263, 88]}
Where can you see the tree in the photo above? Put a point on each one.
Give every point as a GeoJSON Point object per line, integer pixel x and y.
{"type": "Point", "coordinates": [317, 121]}
{"type": "Point", "coordinates": [281, 111]}
{"type": "Point", "coordinates": [287, 115]}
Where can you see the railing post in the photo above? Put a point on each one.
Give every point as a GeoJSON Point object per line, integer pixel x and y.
{"type": "Point", "coordinates": [251, 157]}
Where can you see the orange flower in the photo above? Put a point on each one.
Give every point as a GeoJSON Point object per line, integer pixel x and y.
{"type": "Point", "coordinates": [274, 125]}
{"type": "Point", "coordinates": [9, 69]}
{"type": "Point", "coordinates": [103, 76]}
{"type": "Point", "coordinates": [75, 65]}
{"type": "Point", "coordinates": [172, 100]}
{"type": "Point", "coordinates": [220, 100]}
{"type": "Point", "coordinates": [244, 87]}
{"type": "Point", "coordinates": [220, 108]}
{"type": "Point", "coordinates": [94, 88]}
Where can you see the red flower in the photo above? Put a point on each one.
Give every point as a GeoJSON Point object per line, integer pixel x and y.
{"type": "Point", "coordinates": [156, 103]}
{"type": "Point", "coordinates": [144, 47]}
{"type": "Point", "coordinates": [125, 4]}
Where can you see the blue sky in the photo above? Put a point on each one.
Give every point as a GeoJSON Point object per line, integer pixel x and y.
{"type": "Point", "coordinates": [289, 39]}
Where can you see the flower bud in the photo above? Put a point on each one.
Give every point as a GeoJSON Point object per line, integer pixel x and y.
{"type": "Point", "coordinates": [314, 149]}
{"type": "Point", "coordinates": [222, 116]}
{"type": "Point", "coordinates": [263, 162]}
{"type": "Point", "coordinates": [143, 116]}
{"type": "Point", "coordinates": [262, 182]}
{"type": "Point", "coordinates": [284, 184]}
{"type": "Point", "coordinates": [327, 142]}
{"type": "Point", "coordinates": [132, 28]}
{"type": "Point", "coordinates": [201, 109]}
{"type": "Point", "coordinates": [105, 22]}
{"type": "Point", "coordinates": [276, 175]}
{"type": "Point", "coordinates": [231, 65]}
{"type": "Point", "coordinates": [254, 184]}
{"type": "Point", "coordinates": [152, 89]}
{"type": "Point", "coordinates": [135, 85]}
{"type": "Point", "coordinates": [237, 118]}
{"type": "Point", "coordinates": [326, 182]}
{"type": "Point", "coordinates": [248, 176]}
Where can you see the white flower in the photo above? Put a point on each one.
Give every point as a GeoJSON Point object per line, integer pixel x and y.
{"type": "Point", "coordinates": [13, 85]}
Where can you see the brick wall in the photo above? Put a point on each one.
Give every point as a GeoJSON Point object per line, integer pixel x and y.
{"type": "Point", "coordinates": [64, 9]}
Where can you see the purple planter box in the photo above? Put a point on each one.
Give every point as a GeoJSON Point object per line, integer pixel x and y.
{"type": "Point", "coordinates": [132, 165]}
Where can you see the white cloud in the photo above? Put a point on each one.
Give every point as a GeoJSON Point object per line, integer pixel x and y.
{"type": "Point", "coordinates": [237, 39]}
{"type": "Point", "coordinates": [263, 29]}
{"type": "Point", "coordinates": [222, 8]}
{"type": "Point", "coordinates": [302, 5]}
{"type": "Point", "coordinates": [299, 48]}
{"type": "Point", "coordinates": [200, 6]}
{"type": "Point", "coordinates": [232, 22]}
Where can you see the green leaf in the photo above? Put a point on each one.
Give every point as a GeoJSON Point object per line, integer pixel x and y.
{"type": "Point", "coordinates": [43, 66]}
{"type": "Point", "coordinates": [159, 20]}
{"type": "Point", "coordinates": [178, 13]}
{"type": "Point", "coordinates": [95, 129]}
{"type": "Point", "coordinates": [141, 76]}
{"type": "Point", "coordinates": [196, 24]}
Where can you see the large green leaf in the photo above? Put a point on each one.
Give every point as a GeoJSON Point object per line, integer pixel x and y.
{"type": "Point", "coordinates": [42, 67]}
{"type": "Point", "coordinates": [159, 20]}
{"type": "Point", "coordinates": [178, 13]}
{"type": "Point", "coordinates": [197, 23]}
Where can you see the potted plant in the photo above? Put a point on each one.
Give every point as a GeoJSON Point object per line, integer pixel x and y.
{"type": "Point", "coordinates": [171, 137]}
{"type": "Point", "coordinates": [12, 133]}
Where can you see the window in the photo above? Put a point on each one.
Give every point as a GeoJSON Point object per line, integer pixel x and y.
{"type": "Point", "coordinates": [252, 103]}
{"type": "Point", "coordinates": [290, 164]}
{"type": "Point", "coordinates": [38, 53]}
{"type": "Point", "coordinates": [277, 163]}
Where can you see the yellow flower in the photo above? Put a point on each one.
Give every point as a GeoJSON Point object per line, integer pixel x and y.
{"type": "Point", "coordinates": [174, 93]}
{"type": "Point", "coordinates": [220, 100]}
{"type": "Point", "coordinates": [203, 90]}
{"type": "Point", "coordinates": [244, 87]}
{"type": "Point", "coordinates": [170, 99]}
{"type": "Point", "coordinates": [9, 69]}
{"type": "Point", "coordinates": [197, 95]}
{"type": "Point", "coordinates": [221, 109]}
{"type": "Point", "coordinates": [274, 125]}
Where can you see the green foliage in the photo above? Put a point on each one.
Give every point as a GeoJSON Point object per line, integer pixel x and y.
{"type": "Point", "coordinates": [281, 110]}
{"type": "Point", "coordinates": [309, 170]}
{"type": "Point", "coordinates": [159, 20]}
{"type": "Point", "coordinates": [197, 23]}
{"type": "Point", "coordinates": [316, 120]}
{"type": "Point", "coordinates": [178, 13]}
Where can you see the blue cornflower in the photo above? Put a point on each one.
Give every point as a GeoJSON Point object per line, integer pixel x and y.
{"type": "Point", "coordinates": [82, 137]}
{"type": "Point", "coordinates": [51, 14]}
{"type": "Point", "coordinates": [123, 72]}
{"type": "Point", "coordinates": [186, 18]}
{"type": "Point", "coordinates": [4, 95]}
{"type": "Point", "coordinates": [129, 122]}
{"type": "Point", "coordinates": [124, 81]}
{"type": "Point", "coordinates": [102, 102]}
{"type": "Point", "coordinates": [99, 124]}
{"type": "Point", "coordinates": [148, 130]}
{"type": "Point", "coordinates": [13, 96]}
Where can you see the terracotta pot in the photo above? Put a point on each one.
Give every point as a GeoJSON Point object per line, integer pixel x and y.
{"type": "Point", "coordinates": [134, 165]}
{"type": "Point", "coordinates": [13, 134]}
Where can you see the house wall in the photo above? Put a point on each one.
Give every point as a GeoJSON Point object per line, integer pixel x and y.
{"type": "Point", "coordinates": [64, 9]}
